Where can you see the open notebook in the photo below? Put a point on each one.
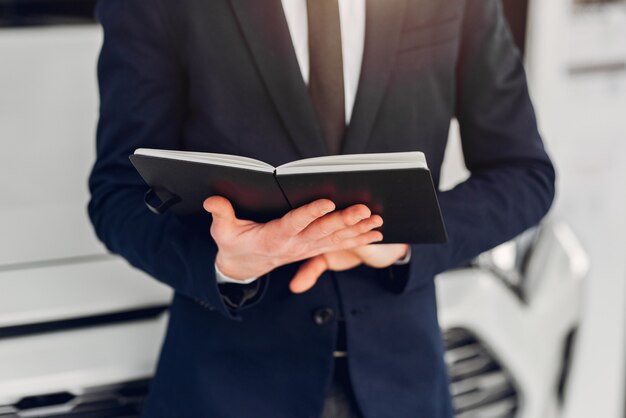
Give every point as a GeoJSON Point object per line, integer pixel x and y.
{"type": "Point", "coordinates": [398, 186]}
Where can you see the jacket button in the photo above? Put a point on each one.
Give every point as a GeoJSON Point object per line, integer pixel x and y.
{"type": "Point", "coordinates": [323, 316]}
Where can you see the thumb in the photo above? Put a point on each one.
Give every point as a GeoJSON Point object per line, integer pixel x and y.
{"type": "Point", "coordinates": [308, 273]}
{"type": "Point", "coordinates": [220, 208]}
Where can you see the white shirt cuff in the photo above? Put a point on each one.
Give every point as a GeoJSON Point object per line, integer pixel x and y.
{"type": "Point", "coordinates": [222, 278]}
{"type": "Point", "coordinates": [404, 260]}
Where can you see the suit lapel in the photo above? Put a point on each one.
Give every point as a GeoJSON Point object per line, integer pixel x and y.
{"type": "Point", "coordinates": [382, 31]}
{"type": "Point", "coordinates": [265, 29]}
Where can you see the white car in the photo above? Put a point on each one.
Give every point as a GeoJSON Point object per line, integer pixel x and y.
{"type": "Point", "coordinates": [80, 330]}
{"type": "Point", "coordinates": [509, 323]}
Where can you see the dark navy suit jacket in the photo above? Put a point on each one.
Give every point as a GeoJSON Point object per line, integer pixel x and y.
{"type": "Point", "coordinates": [221, 76]}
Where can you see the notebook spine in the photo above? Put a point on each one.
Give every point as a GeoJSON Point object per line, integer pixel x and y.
{"type": "Point", "coordinates": [282, 191]}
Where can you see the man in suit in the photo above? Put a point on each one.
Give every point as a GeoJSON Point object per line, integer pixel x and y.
{"type": "Point", "coordinates": [306, 316]}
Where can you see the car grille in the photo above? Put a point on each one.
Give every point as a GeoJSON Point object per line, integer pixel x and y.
{"type": "Point", "coordinates": [114, 401]}
{"type": "Point", "coordinates": [480, 387]}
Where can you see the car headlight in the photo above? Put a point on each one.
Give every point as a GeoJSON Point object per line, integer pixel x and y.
{"type": "Point", "coordinates": [523, 263]}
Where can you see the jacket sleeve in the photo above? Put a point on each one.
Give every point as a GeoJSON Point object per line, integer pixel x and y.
{"type": "Point", "coordinates": [511, 186]}
{"type": "Point", "coordinates": [142, 104]}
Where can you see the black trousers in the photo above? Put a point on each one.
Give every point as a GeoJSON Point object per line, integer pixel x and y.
{"type": "Point", "coordinates": [340, 401]}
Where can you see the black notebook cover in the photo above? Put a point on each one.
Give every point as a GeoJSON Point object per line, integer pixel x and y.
{"type": "Point", "coordinates": [254, 195]}
{"type": "Point", "coordinates": [405, 198]}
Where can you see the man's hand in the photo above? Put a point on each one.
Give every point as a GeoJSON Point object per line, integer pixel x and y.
{"type": "Point", "coordinates": [377, 256]}
{"type": "Point", "coordinates": [249, 249]}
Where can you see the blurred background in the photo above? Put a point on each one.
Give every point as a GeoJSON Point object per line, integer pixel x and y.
{"type": "Point", "coordinates": [533, 329]}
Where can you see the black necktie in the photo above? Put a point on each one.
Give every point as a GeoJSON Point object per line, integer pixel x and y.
{"type": "Point", "coordinates": [326, 70]}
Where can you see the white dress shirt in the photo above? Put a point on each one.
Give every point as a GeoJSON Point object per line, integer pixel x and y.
{"type": "Point", "coordinates": [352, 21]}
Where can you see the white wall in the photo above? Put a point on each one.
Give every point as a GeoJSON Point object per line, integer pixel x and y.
{"type": "Point", "coordinates": [583, 119]}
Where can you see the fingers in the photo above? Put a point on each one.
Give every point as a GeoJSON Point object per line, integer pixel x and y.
{"type": "Point", "coordinates": [307, 274]}
{"type": "Point", "coordinates": [327, 225]}
{"type": "Point", "coordinates": [367, 238]}
{"type": "Point", "coordinates": [298, 219]}
{"type": "Point", "coordinates": [337, 237]}
{"type": "Point", "coordinates": [220, 208]}
{"type": "Point", "coordinates": [223, 217]}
